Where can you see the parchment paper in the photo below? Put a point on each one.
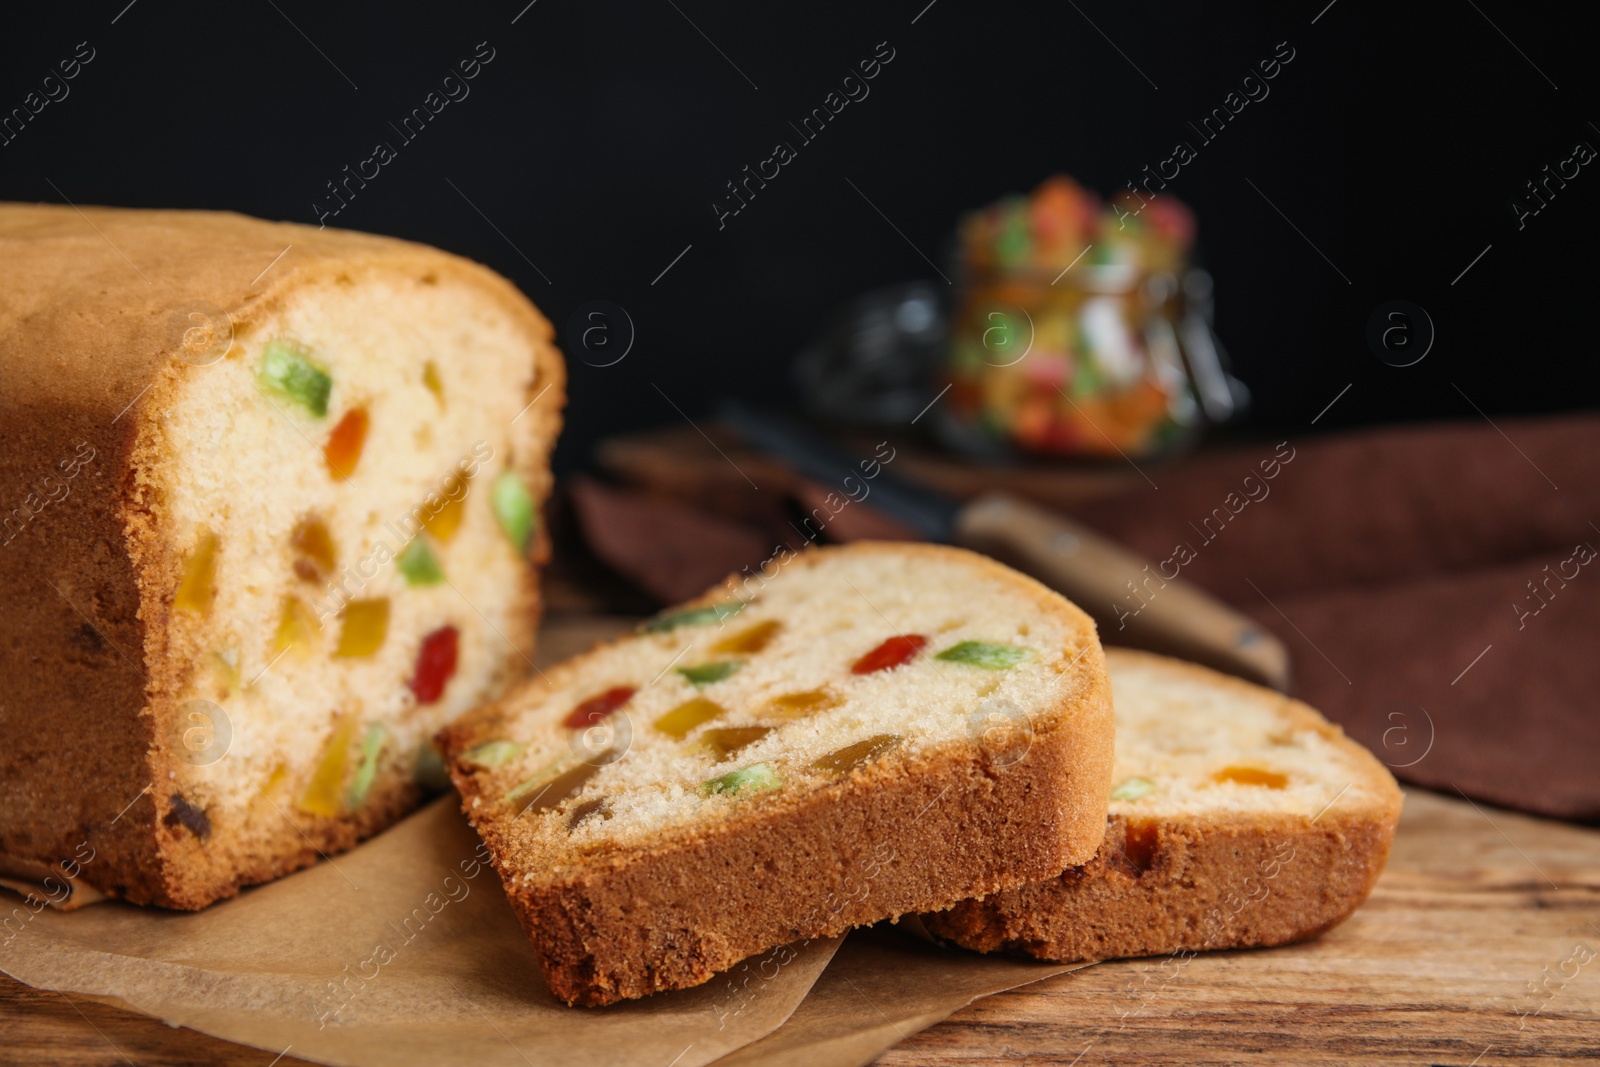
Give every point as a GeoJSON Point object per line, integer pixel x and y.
{"type": "Point", "coordinates": [882, 986]}
{"type": "Point", "coordinates": [402, 952]}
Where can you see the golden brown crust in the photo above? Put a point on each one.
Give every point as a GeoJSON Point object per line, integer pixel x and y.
{"type": "Point", "coordinates": [632, 920]}
{"type": "Point", "coordinates": [1209, 881]}
{"type": "Point", "coordinates": [87, 299]}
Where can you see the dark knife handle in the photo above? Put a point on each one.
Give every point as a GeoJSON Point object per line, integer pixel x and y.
{"type": "Point", "coordinates": [1164, 615]}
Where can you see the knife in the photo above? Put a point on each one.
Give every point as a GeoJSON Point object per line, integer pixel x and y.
{"type": "Point", "coordinates": [1131, 603]}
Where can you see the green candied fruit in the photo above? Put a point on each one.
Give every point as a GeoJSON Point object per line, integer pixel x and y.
{"type": "Point", "coordinates": [983, 654]}
{"type": "Point", "coordinates": [418, 565]}
{"type": "Point", "coordinates": [513, 506]}
{"type": "Point", "coordinates": [493, 753]}
{"type": "Point", "coordinates": [1132, 789]}
{"type": "Point", "coordinates": [371, 749]}
{"type": "Point", "coordinates": [693, 617]}
{"type": "Point", "coordinates": [758, 777]}
{"type": "Point", "coordinates": [285, 369]}
{"type": "Point", "coordinates": [706, 673]}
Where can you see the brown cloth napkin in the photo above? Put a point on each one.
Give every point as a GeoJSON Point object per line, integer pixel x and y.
{"type": "Point", "coordinates": [1437, 586]}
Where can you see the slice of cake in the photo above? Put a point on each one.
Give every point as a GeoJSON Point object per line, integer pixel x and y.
{"type": "Point", "coordinates": [853, 734]}
{"type": "Point", "coordinates": [270, 519]}
{"type": "Point", "coordinates": [1238, 818]}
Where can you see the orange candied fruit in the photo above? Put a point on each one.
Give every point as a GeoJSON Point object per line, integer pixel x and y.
{"type": "Point", "coordinates": [343, 450]}
{"type": "Point", "coordinates": [1251, 776]}
{"type": "Point", "coordinates": [750, 639]}
{"type": "Point", "coordinates": [724, 741]}
{"type": "Point", "coordinates": [850, 757]}
{"type": "Point", "coordinates": [313, 549]}
{"type": "Point", "coordinates": [199, 582]}
{"type": "Point", "coordinates": [799, 705]}
{"type": "Point", "coordinates": [366, 625]}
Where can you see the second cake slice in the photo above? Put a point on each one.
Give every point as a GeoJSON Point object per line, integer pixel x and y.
{"type": "Point", "coordinates": [852, 735]}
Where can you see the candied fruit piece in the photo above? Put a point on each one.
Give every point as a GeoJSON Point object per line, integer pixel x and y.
{"type": "Point", "coordinates": [418, 565]}
{"type": "Point", "coordinates": [552, 785]}
{"type": "Point", "coordinates": [758, 777]}
{"type": "Point", "coordinates": [513, 506]}
{"type": "Point", "coordinates": [681, 720]}
{"type": "Point", "coordinates": [199, 584]}
{"type": "Point", "coordinates": [429, 771]}
{"type": "Point", "coordinates": [430, 378]}
{"type": "Point", "coordinates": [493, 753]}
{"type": "Point", "coordinates": [725, 741]}
{"type": "Point", "coordinates": [706, 673]}
{"type": "Point", "coordinates": [598, 708]}
{"type": "Point", "coordinates": [1251, 776]}
{"type": "Point", "coordinates": [445, 517]}
{"type": "Point", "coordinates": [285, 369]}
{"type": "Point", "coordinates": [789, 706]}
{"type": "Point", "coordinates": [588, 809]}
{"type": "Point", "coordinates": [892, 653]}
{"type": "Point", "coordinates": [983, 654]}
{"type": "Point", "coordinates": [366, 624]}
{"type": "Point", "coordinates": [343, 450]}
{"type": "Point", "coordinates": [367, 772]}
{"type": "Point", "coordinates": [850, 757]}
{"type": "Point", "coordinates": [296, 627]}
{"type": "Point", "coordinates": [1132, 789]}
{"type": "Point", "coordinates": [322, 793]}
{"type": "Point", "coordinates": [280, 771]}
{"type": "Point", "coordinates": [693, 617]}
{"type": "Point", "coordinates": [436, 662]}
{"type": "Point", "coordinates": [313, 549]}
{"type": "Point", "coordinates": [751, 639]}
{"type": "Point", "coordinates": [225, 664]}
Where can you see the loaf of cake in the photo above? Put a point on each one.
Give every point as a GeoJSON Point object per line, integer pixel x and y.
{"type": "Point", "coordinates": [1238, 818]}
{"type": "Point", "coordinates": [270, 518]}
{"type": "Point", "coordinates": [853, 734]}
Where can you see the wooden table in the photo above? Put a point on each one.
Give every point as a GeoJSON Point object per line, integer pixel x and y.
{"type": "Point", "coordinates": [1481, 945]}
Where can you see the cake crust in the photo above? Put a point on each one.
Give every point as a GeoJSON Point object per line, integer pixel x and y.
{"type": "Point", "coordinates": [1209, 880]}
{"type": "Point", "coordinates": [892, 838]}
{"type": "Point", "coordinates": [90, 299]}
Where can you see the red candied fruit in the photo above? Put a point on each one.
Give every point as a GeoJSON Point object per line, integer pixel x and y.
{"type": "Point", "coordinates": [892, 653]}
{"type": "Point", "coordinates": [436, 664]}
{"type": "Point", "coordinates": [597, 708]}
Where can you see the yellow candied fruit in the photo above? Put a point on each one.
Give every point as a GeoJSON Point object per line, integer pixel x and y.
{"type": "Point", "coordinates": [225, 665]}
{"type": "Point", "coordinates": [790, 706]}
{"type": "Point", "coordinates": [751, 638]}
{"type": "Point", "coordinates": [324, 792]}
{"type": "Point", "coordinates": [296, 627]}
{"type": "Point", "coordinates": [724, 741]}
{"type": "Point", "coordinates": [199, 583]}
{"type": "Point", "coordinates": [313, 549]}
{"type": "Point", "coordinates": [681, 720]}
{"type": "Point", "coordinates": [279, 773]}
{"type": "Point", "coordinates": [1251, 776]}
{"type": "Point", "coordinates": [430, 378]}
{"type": "Point", "coordinates": [443, 521]}
{"type": "Point", "coordinates": [850, 757]}
{"type": "Point", "coordinates": [366, 624]}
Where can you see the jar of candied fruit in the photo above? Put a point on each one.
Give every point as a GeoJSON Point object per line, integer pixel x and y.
{"type": "Point", "coordinates": [1082, 331]}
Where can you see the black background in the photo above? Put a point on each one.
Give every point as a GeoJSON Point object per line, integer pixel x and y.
{"type": "Point", "coordinates": [596, 140]}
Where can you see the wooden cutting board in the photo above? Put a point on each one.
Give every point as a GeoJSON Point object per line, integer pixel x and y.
{"type": "Point", "coordinates": [1480, 946]}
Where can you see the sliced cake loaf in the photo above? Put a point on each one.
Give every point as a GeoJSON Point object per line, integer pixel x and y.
{"type": "Point", "coordinates": [1238, 818]}
{"type": "Point", "coordinates": [858, 733]}
{"type": "Point", "coordinates": [273, 511]}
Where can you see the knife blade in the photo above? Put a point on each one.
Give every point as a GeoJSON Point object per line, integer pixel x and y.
{"type": "Point", "coordinates": [1131, 602]}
